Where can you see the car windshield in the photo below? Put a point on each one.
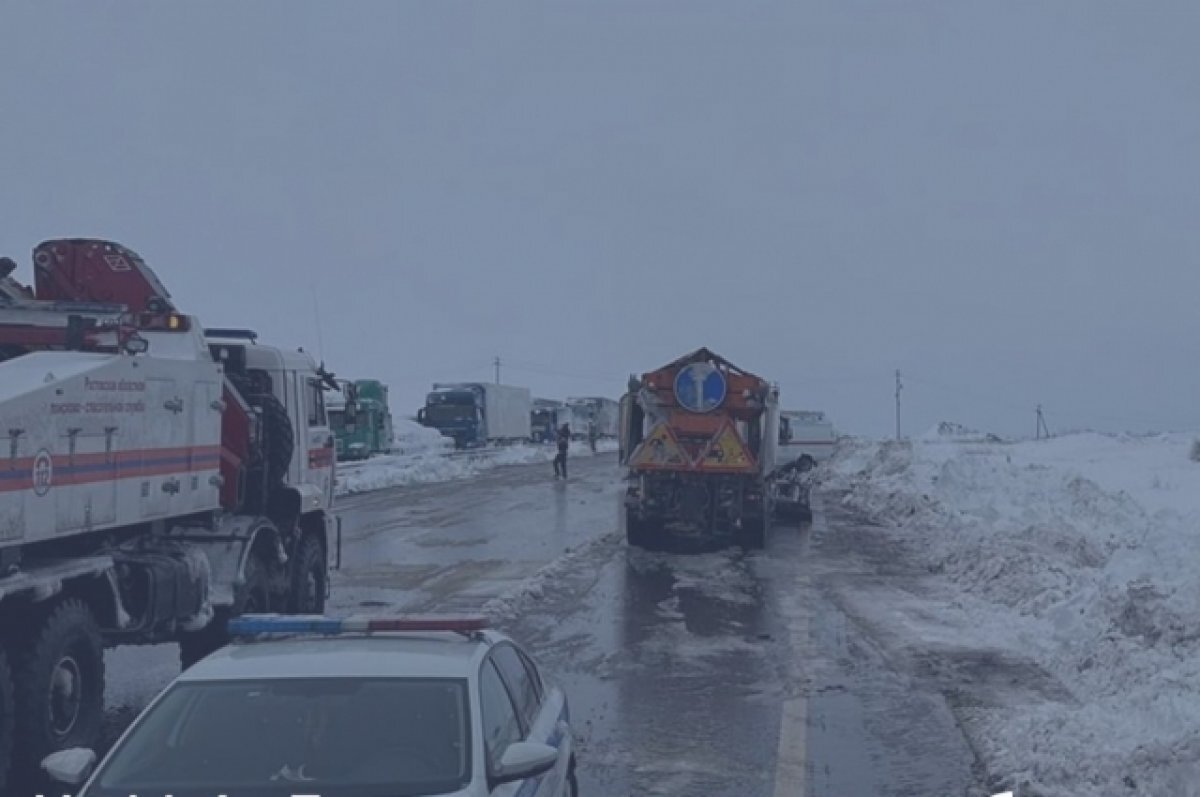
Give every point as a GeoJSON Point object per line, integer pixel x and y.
{"type": "Point", "coordinates": [349, 737]}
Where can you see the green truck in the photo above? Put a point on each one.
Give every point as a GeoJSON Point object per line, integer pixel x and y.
{"type": "Point", "coordinates": [361, 419]}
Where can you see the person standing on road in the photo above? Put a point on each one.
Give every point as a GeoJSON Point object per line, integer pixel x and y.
{"type": "Point", "coordinates": [564, 442]}
{"type": "Point", "coordinates": [592, 435]}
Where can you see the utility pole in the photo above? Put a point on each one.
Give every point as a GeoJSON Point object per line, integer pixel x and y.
{"type": "Point", "coordinates": [1043, 431]}
{"type": "Point", "coordinates": [899, 387]}
{"type": "Point", "coordinates": [497, 364]}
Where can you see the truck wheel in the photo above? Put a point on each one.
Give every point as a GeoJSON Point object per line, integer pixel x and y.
{"type": "Point", "coordinates": [309, 577]}
{"type": "Point", "coordinates": [7, 713]}
{"type": "Point", "coordinates": [60, 685]}
{"type": "Point", "coordinates": [252, 598]}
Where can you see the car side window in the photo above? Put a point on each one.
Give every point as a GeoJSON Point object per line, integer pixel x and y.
{"type": "Point", "coordinates": [534, 674]}
{"type": "Point", "coordinates": [500, 724]}
{"type": "Point", "coordinates": [521, 682]}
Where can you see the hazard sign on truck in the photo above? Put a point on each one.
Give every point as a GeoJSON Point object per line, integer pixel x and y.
{"type": "Point", "coordinates": [699, 438]}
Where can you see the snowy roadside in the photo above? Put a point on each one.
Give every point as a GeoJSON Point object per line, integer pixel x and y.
{"type": "Point", "coordinates": [422, 456]}
{"type": "Point", "coordinates": [1077, 554]}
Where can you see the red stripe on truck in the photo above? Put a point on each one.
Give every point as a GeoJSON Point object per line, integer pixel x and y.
{"type": "Point", "coordinates": [72, 471]}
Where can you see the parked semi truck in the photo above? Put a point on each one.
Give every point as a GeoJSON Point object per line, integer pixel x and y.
{"type": "Point", "coordinates": [478, 413]}
{"type": "Point", "coordinates": [699, 438]}
{"type": "Point", "coordinates": [361, 419]}
{"type": "Point", "coordinates": [155, 480]}
{"type": "Point", "coordinates": [604, 413]}
{"type": "Point", "coordinates": [544, 419]}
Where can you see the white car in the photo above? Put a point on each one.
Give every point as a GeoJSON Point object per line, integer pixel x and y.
{"type": "Point", "coordinates": [349, 707]}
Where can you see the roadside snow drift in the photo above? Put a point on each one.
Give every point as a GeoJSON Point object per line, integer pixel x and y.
{"type": "Point", "coordinates": [1080, 553]}
{"type": "Point", "coordinates": [421, 455]}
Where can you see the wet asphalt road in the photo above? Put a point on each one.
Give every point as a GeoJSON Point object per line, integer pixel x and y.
{"type": "Point", "coordinates": [716, 673]}
{"type": "Point", "coordinates": [702, 674]}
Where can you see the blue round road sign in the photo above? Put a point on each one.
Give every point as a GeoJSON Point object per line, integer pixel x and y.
{"type": "Point", "coordinates": [700, 387]}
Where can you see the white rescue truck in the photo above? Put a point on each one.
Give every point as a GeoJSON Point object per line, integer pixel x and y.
{"type": "Point", "coordinates": [155, 480]}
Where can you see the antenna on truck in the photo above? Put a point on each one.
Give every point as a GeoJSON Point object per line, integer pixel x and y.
{"type": "Point", "coordinates": [317, 317]}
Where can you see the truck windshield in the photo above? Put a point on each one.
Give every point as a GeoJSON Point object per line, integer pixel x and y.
{"type": "Point", "coordinates": [337, 420]}
{"type": "Point", "coordinates": [450, 413]}
{"type": "Point", "coordinates": [352, 737]}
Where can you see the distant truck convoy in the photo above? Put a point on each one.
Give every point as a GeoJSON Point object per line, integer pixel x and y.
{"type": "Point", "coordinates": [605, 413]}
{"type": "Point", "coordinates": [806, 437]}
{"type": "Point", "coordinates": [699, 437]}
{"type": "Point", "coordinates": [476, 414]}
{"type": "Point", "coordinates": [361, 419]}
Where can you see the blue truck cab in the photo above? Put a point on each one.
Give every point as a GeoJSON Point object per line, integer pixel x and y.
{"type": "Point", "coordinates": [455, 412]}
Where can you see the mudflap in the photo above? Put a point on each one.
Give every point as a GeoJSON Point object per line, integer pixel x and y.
{"type": "Point", "coordinates": [639, 532]}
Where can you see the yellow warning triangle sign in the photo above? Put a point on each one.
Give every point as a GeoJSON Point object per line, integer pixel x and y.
{"type": "Point", "coordinates": [660, 449]}
{"type": "Point", "coordinates": [726, 452]}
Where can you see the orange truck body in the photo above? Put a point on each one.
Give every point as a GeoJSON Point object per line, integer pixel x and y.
{"type": "Point", "coordinates": [699, 438]}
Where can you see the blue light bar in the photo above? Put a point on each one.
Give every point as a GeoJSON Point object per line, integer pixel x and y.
{"type": "Point", "coordinates": [253, 625]}
{"type": "Point", "coordinates": [257, 624]}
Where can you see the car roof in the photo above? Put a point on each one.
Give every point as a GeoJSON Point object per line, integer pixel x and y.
{"type": "Point", "coordinates": [377, 655]}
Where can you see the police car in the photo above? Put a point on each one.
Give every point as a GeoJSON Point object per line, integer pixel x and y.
{"type": "Point", "coordinates": [354, 707]}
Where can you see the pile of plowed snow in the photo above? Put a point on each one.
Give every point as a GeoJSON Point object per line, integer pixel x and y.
{"type": "Point", "coordinates": [1082, 553]}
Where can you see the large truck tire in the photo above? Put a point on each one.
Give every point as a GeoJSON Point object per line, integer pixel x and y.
{"type": "Point", "coordinates": [309, 577]}
{"type": "Point", "coordinates": [7, 716]}
{"type": "Point", "coordinates": [254, 597]}
{"type": "Point", "coordinates": [280, 439]}
{"type": "Point", "coordinates": [59, 685]}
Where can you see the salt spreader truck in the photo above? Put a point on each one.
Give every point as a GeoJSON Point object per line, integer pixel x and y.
{"type": "Point", "coordinates": [699, 438]}
{"type": "Point", "coordinates": [155, 480]}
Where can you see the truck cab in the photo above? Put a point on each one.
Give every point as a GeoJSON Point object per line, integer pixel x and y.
{"type": "Point", "coordinates": [361, 419]}
{"type": "Point", "coordinates": [456, 412]}
{"type": "Point", "coordinates": [295, 383]}
{"type": "Point", "coordinates": [806, 438]}
{"type": "Point", "coordinates": [544, 420]}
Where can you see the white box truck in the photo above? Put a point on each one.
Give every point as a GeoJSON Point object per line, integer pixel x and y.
{"type": "Point", "coordinates": [477, 413]}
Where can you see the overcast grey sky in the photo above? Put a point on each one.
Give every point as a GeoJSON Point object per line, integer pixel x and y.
{"type": "Point", "coordinates": [1000, 199]}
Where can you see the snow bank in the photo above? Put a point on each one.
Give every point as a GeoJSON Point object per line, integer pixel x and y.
{"type": "Point", "coordinates": [410, 437]}
{"type": "Point", "coordinates": [511, 604]}
{"type": "Point", "coordinates": [1079, 553]}
{"type": "Point", "coordinates": [418, 459]}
